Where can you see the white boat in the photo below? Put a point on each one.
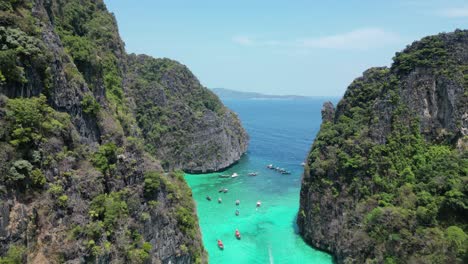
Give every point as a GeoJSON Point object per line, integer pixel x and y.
{"type": "Point", "coordinates": [259, 204]}
{"type": "Point", "coordinates": [234, 175]}
{"type": "Point", "coordinates": [303, 164]}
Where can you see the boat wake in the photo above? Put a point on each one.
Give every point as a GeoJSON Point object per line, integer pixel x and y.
{"type": "Point", "coordinates": [270, 255]}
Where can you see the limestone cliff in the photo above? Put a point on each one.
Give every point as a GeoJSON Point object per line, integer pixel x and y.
{"type": "Point", "coordinates": [77, 183]}
{"type": "Point", "coordinates": [386, 179]}
{"type": "Point", "coordinates": [184, 124]}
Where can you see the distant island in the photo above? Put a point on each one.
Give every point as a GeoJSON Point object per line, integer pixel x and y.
{"type": "Point", "coordinates": [233, 94]}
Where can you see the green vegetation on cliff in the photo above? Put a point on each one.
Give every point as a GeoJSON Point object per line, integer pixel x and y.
{"type": "Point", "coordinates": [80, 178]}
{"type": "Point", "coordinates": [183, 123]}
{"type": "Point", "coordinates": [157, 119]}
{"type": "Point", "coordinates": [28, 126]}
{"type": "Point", "coordinates": [21, 47]}
{"type": "Point", "coordinates": [387, 176]}
{"type": "Point", "coordinates": [90, 37]}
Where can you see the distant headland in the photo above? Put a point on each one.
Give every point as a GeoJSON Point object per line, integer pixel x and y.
{"type": "Point", "coordinates": [233, 94]}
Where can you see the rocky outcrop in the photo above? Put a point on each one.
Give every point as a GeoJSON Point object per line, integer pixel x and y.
{"type": "Point", "coordinates": [328, 112]}
{"type": "Point", "coordinates": [439, 101]}
{"type": "Point", "coordinates": [369, 190]}
{"type": "Point", "coordinates": [80, 180]}
{"type": "Point", "coordinates": [184, 124]}
{"type": "Point", "coordinates": [48, 72]}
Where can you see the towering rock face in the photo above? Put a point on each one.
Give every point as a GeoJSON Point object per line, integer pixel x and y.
{"type": "Point", "coordinates": [169, 99]}
{"type": "Point", "coordinates": [386, 179]}
{"type": "Point", "coordinates": [77, 183]}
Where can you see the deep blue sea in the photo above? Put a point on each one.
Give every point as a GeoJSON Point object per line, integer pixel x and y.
{"type": "Point", "coordinates": [281, 133]}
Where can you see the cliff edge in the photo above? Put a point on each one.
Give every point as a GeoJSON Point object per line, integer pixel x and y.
{"type": "Point", "coordinates": [184, 124]}
{"type": "Point", "coordinates": [88, 165]}
{"type": "Point", "coordinates": [386, 178]}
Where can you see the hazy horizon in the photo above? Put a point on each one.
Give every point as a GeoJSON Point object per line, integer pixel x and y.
{"type": "Point", "coordinates": [279, 48]}
{"type": "Point", "coordinates": [261, 93]}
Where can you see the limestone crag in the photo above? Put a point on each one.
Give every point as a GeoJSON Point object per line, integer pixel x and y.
{"type": "Point", "coordinates": [386, 180]}
{"type": "Point", "coordinates": [88, 169]}
{"type": "Point", "coordinates": [209, 137]}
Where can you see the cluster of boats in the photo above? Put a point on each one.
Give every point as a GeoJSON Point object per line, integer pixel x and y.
{"type": "Point", "coordinates": [259, 203]}
{"type": "Point", "coordinates": [220, 243]}
{"type": "Point", "coordinates": [278, 169]}
{"type": "Point", "coordinates": [237, 233]}
{"type": "Point", "coordinates": [237, 212]}
{"type": "Point", "coordinates": [270, 166]}
{"type": "Point", "coordinates": [234, 175]}
{"type": "Point", "coordinates": [223, 190]}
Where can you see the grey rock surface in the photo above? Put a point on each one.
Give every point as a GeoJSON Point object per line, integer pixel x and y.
{"type": "Point", "coordinates": [331, 218]}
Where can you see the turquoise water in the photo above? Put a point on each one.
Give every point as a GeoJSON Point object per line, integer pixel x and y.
{"type": "Point", "coordinates": [281, 133]}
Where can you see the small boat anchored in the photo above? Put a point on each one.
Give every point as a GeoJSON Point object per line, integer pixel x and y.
{"type": "Point", "coordinates": [224, 176]}
{"type": "Point", "coordinates": [237, 212]}
{"type": "Point", "coordinates": [253, 174]}
{"type": "Point", "coordinates": [259, 203]}
{"type": "Point", "coordinates": [237, 202]}
{"type": "Point", "coordinates": [208, 198]}
{"type": "Point", "coordinates": [220, 244]}
{"type": "Point", "coordinates": [234, 175]}
{"type": "Point", "coordinates": [220, 200]}
{"type": "Point", "coordinates": [238, 235]}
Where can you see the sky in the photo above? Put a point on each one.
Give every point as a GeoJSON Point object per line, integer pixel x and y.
{"type": "Point", "coordinates": [301, 47]}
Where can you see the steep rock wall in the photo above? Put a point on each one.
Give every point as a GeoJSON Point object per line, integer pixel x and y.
{"type": "Point", "coordinates": [386, 179]}
{"type": "Point", "coordinates": [184, 124]}
{"type": "Point", "coordinates": [77, 184]}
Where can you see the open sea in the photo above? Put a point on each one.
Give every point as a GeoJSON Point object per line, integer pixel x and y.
{"type": "Point", "coordinates": [281, 133]}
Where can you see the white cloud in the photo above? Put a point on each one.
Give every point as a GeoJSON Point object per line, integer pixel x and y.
{"type": "Point", "coordinates": [243, 40]}
{"type": "Point", "coordinates": [454, 12]}
{"type": "Point", "coordinates": [359, 39]}
{"type": "Point", "coordinates": [364, 38]}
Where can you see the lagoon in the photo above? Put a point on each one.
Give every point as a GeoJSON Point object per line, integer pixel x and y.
{"type": "Point", "coordinates": [281, 133]}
